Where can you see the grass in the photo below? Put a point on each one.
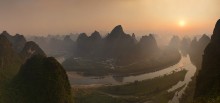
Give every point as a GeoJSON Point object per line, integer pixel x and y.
{"type": "Point", "coordinates": [154, 90]}
{"type": "Point", "coordinates": [146, 86]}
{"type": "Point", "coordinates": [6, 74]}
{"type": "Point", "coordinates": [93, 96]}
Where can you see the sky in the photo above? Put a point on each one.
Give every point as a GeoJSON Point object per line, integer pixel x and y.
{"type": "Point", "coordinates": [163, 17]}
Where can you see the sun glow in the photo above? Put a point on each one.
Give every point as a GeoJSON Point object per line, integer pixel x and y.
{"type": "Point", "coordinates": [182, 23]}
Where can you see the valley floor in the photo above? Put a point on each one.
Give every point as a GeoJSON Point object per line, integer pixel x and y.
{"type": "Point", "coordinates": [149, 91]}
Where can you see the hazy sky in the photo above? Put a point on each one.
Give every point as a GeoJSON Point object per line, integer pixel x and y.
{"type": "Point", "coordinates": [43, 17]}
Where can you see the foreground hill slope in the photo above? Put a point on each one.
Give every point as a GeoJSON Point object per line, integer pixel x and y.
{"type": "Point", "coordinates": [40, 80]}
{"type": "Point", "coordinates": [9, 60]}
{"type": "Point", "coordinates": [28, 76]}
{"type": "Point", "coordinates": [208, 82]}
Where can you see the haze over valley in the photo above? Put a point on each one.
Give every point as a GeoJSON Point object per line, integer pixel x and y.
{"type": "Point", "coordinates": [110, 51]}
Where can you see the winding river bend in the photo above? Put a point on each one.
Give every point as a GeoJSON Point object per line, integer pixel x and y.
{"type": "Point", "coordinates": [191, 72]}
{"type": "Point", "coordinates": [185, 63]}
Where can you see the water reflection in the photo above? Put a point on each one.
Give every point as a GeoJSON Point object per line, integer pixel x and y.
{"type": "Point", "coordinates": [185, 63]}
{"type": "Point", "coordinates": [77, 80]}
{"type": "Point", "coordinates": [191, 70]}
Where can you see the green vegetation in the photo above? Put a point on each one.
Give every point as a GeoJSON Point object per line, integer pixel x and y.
{"type": "Point", "coordinates": [154, 90]}
{"type": "Point", "coordinates": [92, 95]}
{"type": "Point", "coordinates": [88, 66]}
{"type": "Point", "coordinates": [9, 60]}
{"type": "Point", "coordinates": [40, 80]}
{"type": "Point", "coordinates": [101, 67]}
{"type": "Point", "coordinates": [10, 63]}
{"type": "Point", "coordinates": [148, 65]}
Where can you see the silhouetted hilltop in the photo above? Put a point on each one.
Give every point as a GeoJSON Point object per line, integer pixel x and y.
{"type": "Point", "coordinates": [117, 43]}
{"type": "Point", "coordinates": [56, 45]}
{"type": "Point", "coordinates": [82, 37]}
{"type": "Point", "coordinates": [82, 45]}
{"type": "Point", "coordinates": [194, 43]}
{"type": "Point", "coordinates": [30, 49]}
{"type": "Point", "coordinates": [185, 45]}
{"type": "Point", "coordinates": [5, 51]}
{"type": "Point", "coordinates": [203, 41]}
{"type": "Point", "coordinates": [117, 32]}
{"type": "Point", "coordinates": [18, 41]}
{"type": "Point", "coordinates": [95, 36]}
{"type": "Point", "coordinates": [9, 59]}
{"type": "Point", "coordinates": [89, 46]}
{"type": "Point", "coordinates": [216, 37]}
{"type": "Point", "coordinates": [95, 44]}
{"type": "Point", "coordinates": [148, 42]}
{"type": "Point", "coordinates": [67, 39]}
{"type": "Point", "coordinates": [5, 43]}
{"type": "Point", "coordinates": [113, 45]}
{"type": "Point", "coordinates": [147, 46]}
{"type": "Point", "coordinates": [41, 80]}
{"type": "Point", "coordinates": [7, 35]}
{"type": "Point", "coordinates": [14, 51]}
{"type": "Point", "coordinates": [175, 42]}
{"type": "Point", "coordinates": [68, 44]}
{"type": "Point", "coordinates": [134, 38]}
{"type": "Point", "coordinates": [119, 53]}
{"type": "Point", "coordinates": [208, 84]}
{"type": "Point", "coordinates": [197, 48]}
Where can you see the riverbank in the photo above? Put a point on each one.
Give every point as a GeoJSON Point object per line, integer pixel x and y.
{"type": "Point", "coordinates": [146, 66]}
{"type": "Point", "coordinates": [102, 67]}
{"type": "Point", "coordinates": [154, 90]}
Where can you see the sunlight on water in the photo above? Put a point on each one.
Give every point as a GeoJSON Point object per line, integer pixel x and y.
{"type": "Point", "coordinates": [191, 70]}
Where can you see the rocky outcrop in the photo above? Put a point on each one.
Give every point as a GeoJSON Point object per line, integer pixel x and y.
{"type": "Point", "coordinates": [118, 43]}
{"type": "Point", "coordinates": [89, 46]}
{"type": "Point", "coordinates": [197, 48]}
{"type": "Point", "coordinates": [175, 42]}
{"type": "Point", "coordinates": [95, 44]}
{"type": "Point", "coordinates": [41, 80]}
{"type": "Point", "coordinates": [95, 36]}
{"type": "Point", "coordinates": [82, 45]}
{"type": "Point", "coordinates": [185, 45]}
{"type": "Point", "coordinates": [67, 44]}
{"type": "Point", "coordinates": [30, 49]}
{"type": "Point", "coordinates": [203, 42]}
{"type": "Point", "coordinates": [134, 38]}
{"type": "Point", "coordinates": [147, 46]}
{"type": "Point", "coordinates": [208, 84]}
{"type": "Point", "coordinates": [116, 33]}
{"type": "Point", "coordinates": [18, 41]}
{"type": "Point", "coordinates": [7, 35]}
{"type": "Point", "coordinates": [9, 59]}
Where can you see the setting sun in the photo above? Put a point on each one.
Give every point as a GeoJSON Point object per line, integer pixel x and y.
{"type": "Point", "coordinates": [182, 23]}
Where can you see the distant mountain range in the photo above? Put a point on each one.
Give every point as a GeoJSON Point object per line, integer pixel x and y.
{"type": "Point", "coordinates": [119, 53]}
{"type": "Point", "coordinates": [28, 76]}
{"type": "Point", "coordinates": [26, 71]}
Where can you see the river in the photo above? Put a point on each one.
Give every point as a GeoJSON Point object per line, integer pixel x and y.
{"type": "Point", "coordinates": [191, 72]}
{"type": "Point", "coordinates": [185, 63]}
